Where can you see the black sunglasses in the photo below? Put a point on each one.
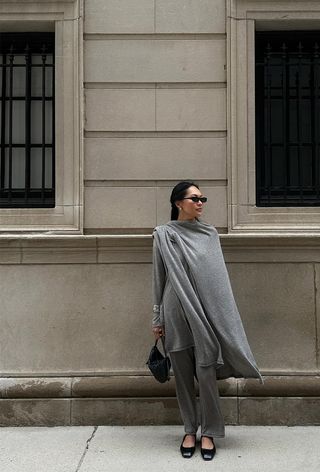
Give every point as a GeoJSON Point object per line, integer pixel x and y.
{"type": "Point", "coordinates": [196, 199]}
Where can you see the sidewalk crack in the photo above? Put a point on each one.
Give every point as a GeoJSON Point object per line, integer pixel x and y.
{"type": "Point", "coordinates": [86, 448]}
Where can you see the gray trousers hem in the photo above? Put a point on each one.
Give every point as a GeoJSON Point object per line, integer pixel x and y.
{"type": "Point", "coordinates": [210, 417]}
{"type": "Point", "coordinates": [209, 435]}
{"type": "Point", "coordinates": [213, 435]}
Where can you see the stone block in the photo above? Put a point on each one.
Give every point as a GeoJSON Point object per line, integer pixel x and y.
{"type": "Point", "coordinates": [10, 252]}
{"type": "Point", "coordinates": [281, 386]}
{"type": "Point", "coordinates": [61, 250]}
{"type": "Point", "coordinates": [191, 110]}
{"type": "Point", "coordinates": [120, 207]}
{"type": "Point", "coordinates": [119, 16]}
{"type": "Point", "coordinates": [134, 386]}
{"type": "Point", "coordinates": [34, 387]}
{"type": "Point", "coordinates": [191, 16]}
{"type": "Point", "coordinates": [229, 407]}
{"type": "Point", "coordinates": [133, 411]}
{"type": "Point", "coordinates": [49, 412]}
{"type": "Point", "coordinates": [215, 210]}
{"type": "Point", "coordinates": [88, 311]}
{"type": "Point", "coordinates": [155, 61]}
{"type": "Point", "coordinates": [135, 249]}
{"type": "Point", "coordinates": [120, 110]}
{"type": "Point", "coordinates": [122, 386]}
{"type": "Point", "coordinates": [276, 302]}
{"type": "Point", "coordinates": [154, 158]}
{"type": "Point", "coordinates": [136, 411]}
{"type": "Point", "coordinates": [280, 411]}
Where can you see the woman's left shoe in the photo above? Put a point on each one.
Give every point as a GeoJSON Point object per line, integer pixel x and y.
{"type": "Point", "coordinates": [188, 452]}
{"type": "Point", "coordinates": [208, 454]}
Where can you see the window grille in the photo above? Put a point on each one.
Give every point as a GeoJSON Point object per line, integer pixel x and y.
{"type": "Point", "coordinates": [27, 160]}
{"type": "Point", "coordinates": [287, 118]}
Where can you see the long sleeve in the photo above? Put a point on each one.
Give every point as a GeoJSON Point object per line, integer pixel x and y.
{"type": "Point", "coordinates": [158, 283]}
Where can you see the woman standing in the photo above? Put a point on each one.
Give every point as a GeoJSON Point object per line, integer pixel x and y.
{"type": "Point", "coordinates": [194, 309]}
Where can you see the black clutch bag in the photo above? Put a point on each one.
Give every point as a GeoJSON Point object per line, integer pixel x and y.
{"type": "Point", "coordinates": [158, 363]}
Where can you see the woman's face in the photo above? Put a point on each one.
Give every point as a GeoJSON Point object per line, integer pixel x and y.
{"type": "Point", "coordinates": [189, 209]}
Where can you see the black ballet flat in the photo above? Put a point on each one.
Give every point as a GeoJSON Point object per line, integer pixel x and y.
{"type": "Point", "coordinates": [187, 452]}
{"type": "Point", "coordinates": [208, 454]}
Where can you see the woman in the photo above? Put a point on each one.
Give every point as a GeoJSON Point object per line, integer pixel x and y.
{"type": "Point", "coordinates": [195, 311]}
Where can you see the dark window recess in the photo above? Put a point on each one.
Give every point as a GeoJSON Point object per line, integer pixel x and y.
{"type": "Point", "coordinates": [287, 118]}
{"type": "Point", "coordinates": [27, 161]}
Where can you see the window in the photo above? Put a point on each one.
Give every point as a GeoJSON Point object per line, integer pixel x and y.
{"type": "Point", "coordinates": [287, 118]}
{"type": "Point", "coordinates": [45, 168]}
{"type": "Point", "coordinates": [273, 127]}
{"type": "Point", "coordinates": [27, 172]}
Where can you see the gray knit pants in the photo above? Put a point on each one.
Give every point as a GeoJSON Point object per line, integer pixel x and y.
{"type": "Point", "coordinates": [211, 419]}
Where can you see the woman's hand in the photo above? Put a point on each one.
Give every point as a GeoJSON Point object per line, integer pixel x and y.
{"type": "Point", "coordinates": [158, 331]}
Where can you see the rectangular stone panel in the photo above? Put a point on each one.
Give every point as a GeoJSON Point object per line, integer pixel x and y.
{"type": "Point", "coordinates": [154, 158]}
{"type": "Point", "coordinates": [61, 250]}
{"type": "Point", "coordinates": [119, 16]}
{"type": "Point", "coordinates": [284, 386]}
{"type": "Point", "coordinates": [134, 248]}
{"type": "Point", "coordinates": [125, 411]}
{"type": "Point", "coordinates": [134, 386]}
{"type": "Point", "coordinates": [10, 252]}
{"type": "Point", "coordinates": [215, 210]}
{"type": "Point", "coordinates": [281, 411]}
{"type": "Point", "coordinates": [48, 412]}
{"type": "Point", "coordinates": [137, 411]}
{"type": "Point", "coordinates": [276, 303]}
{"type": "Point", "coordinates": [191, 110]}
{"type": "Point", "coordinates": [92, 312]}
{"type": "Point", "coordinates": [120, 110]}
{"type": "Point", "coordinates": [155, 60]}
{"type": "Point", "coordinates": [20, 387]}
{"type": "Point", "coordinates": [120, 207]}
{"type": "Point", "coordinates": [191, 16]}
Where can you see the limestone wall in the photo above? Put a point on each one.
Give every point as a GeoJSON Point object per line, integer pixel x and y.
{"type": "Point", "coordinates": [76, 309]}
{"type": "Point", "coordinates": [155, 109]}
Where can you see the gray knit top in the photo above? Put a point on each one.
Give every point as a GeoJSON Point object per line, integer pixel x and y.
{"type": "Point", "coordinates": [193, 299]}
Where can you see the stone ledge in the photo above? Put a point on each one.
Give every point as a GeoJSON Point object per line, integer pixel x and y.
{"type": "Point", "coordinates": [35, 387]}
{"type": "Point", "coordinates": [137, 411]}
{"type": "Point", "coordinates": [134, 386]}
{"type": "Point", "coordinates": [137, 248]}
{"type": "Point", "coordinates": [281, 386]}
{"type": "Point", "coordinates": [275, 411]}
{"type": "Point", "coordinates": [143, 386]}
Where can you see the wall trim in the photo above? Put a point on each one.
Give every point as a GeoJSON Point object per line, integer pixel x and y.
{"type": "Point", "coordinates": [127, 249]}
{"type": "Point", "coordinates": [144, 385]}
{"type": "Point", "coordinates": [65, 17]}
{"type": "Point", "coordinates": [243, 17]}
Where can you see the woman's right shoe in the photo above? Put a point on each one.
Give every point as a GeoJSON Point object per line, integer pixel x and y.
{"type": "Point", "coordinates": [188, 452]}
{"type": "Point", "coordinates": [208, 454]}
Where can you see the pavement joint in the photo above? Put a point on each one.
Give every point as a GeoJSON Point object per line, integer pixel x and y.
{"type": "Point", "coordinates": [86, 448]}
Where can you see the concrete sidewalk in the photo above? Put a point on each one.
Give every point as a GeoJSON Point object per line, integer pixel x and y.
{"type": "Point", "coordinates": [156, 449]}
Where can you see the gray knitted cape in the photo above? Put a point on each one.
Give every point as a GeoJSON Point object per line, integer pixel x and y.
{"type": "Point", "coordinates": [206, 297]}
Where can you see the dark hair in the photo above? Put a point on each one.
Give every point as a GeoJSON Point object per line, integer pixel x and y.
{"type": "Point", "coordinates": [178, 193]}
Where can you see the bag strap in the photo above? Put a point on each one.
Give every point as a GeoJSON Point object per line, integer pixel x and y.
{"type": "Point", "coordinates": [163, 345]}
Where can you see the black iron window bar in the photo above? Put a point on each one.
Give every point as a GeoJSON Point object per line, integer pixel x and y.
{"type": "Point", "coordinates": [27, 160]}
{"type": "Point", "coordinates": [287, 118]}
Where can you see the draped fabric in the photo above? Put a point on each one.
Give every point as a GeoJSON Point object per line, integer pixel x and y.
{"type": "Point", "coordinates": [201, 283]}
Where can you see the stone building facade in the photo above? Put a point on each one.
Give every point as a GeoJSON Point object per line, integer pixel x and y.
{"type": "Point", "coordinates": [147, 93]}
